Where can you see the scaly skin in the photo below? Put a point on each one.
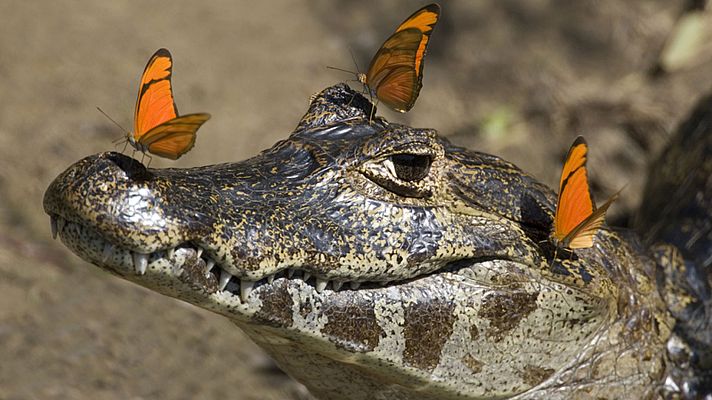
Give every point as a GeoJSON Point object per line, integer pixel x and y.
{"type": "Point", "coordinates": [365, 280]}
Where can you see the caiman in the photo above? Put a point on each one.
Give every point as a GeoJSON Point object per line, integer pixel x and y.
{"type": "Point", "coordinates": [373, 260]}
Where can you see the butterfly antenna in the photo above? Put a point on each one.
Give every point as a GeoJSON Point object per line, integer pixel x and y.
{"type": "Point", "coordinates": [340, 69]}
{"type": "Point", "coordinates": [358, 73]}
{"type": "Point", "coordinates": [112, 120]}
{"type": "Point", "coordinates": [353, 58]}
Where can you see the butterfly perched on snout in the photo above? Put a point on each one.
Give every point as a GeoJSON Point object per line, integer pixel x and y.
{"type": "Point", "coordinates": [577, 219]}
{"type": "Point", "coordinates": [395, 75]}
{"type": "Point", "coordinates": [158, 128]}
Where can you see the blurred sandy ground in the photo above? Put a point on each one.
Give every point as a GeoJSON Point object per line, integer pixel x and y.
{"type": "Point", "coordinates": [517, 79]}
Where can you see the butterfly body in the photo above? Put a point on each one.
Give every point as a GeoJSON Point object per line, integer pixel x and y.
{"type": "Point", "coordinates": [577, 219]}
{"type": "Point", "coordinates": [158, 129]}
{"type": "Point", "coordinates": [395, 74]}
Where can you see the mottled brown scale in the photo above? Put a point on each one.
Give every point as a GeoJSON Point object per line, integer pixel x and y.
{"type": "Point", "coordinates": [505, 311]}
{"type": "Point", "coordinates": [441, 282]}
{"type": "Point", "coordinates": [353, 327]}
{"type": "Point", "coordinates": [434, 330]}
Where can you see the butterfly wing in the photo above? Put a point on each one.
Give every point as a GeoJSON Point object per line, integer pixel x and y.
{"type": "Point", "coordinates": [395, 72]}
{"type": "Point", "coordinates": [392, 76]}
{"type": "Point", "coordinates": [582, 235]}
{"type": "Point", "coordinates": [155, 104]}
{"type": "Point", "coordinates": [174, 137]}
{"type": "Point", "coordinates": [575, 204]}
{"type": "Point", "coordinates": [424, 20]}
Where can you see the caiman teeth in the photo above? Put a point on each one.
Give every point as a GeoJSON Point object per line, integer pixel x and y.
{"type": "Point", "coordinates": [140, 263]}
{"type": "Point", "coordinates": [246, 288]}
{"type": "Point", "coordinates": [60, 224]}
{"type": "Point", "coordinates": [320, 284]}
{"type": "Point", "coordinates": [224, 279]}
{"type": "Point", "coordinates": [53, 226]}
{"type": "Point", "coordinates": [208, 266]}
{"type": "Point", "coordinates": [107, 253]}
{"type": "Point", "coordinates": [110, 252]}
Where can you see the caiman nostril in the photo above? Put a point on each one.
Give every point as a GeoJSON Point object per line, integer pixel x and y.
{"type": "Point", "coordinates": [133, 169]}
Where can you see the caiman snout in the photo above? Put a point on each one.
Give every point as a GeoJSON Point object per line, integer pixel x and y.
{"type": "Point", "coordinates": [119, 198]}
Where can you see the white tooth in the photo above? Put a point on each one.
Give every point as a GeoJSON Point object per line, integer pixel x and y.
{"type": "Point", "coordinates": [290, 273]}
{"type": "Point", "coordinates": [53, 226]}
{"type": "Point", "coordinates": [321, 284]}
{"type": "Point", "coordinates": [171, 252]}
{"type": "Point", "coordinates": [246, 288]}
{"type": "Point", "coordinates": [140, 263]}
{"type": "Point", "coordinates": [270, 279]}
{"type": "Point", "coordinates": [336, 285]}
{"type": "Point", "coordinates": [200, 252]}
{"type": "Point", "coordinates": [355, 285]}
{"type": "Point", "coordinates": [108, 251]}
{"type": "Point", "coordinates": [306, 276]}
{"type": "Point", "coordinates": [224, 279]}
{"type": "Point", "coordinates": [208, 266]}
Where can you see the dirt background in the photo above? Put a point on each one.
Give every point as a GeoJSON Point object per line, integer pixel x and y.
{"type": "Point", "coordinates": [516, 79]}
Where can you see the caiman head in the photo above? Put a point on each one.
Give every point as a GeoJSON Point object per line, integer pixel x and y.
{"type": "Point", "coordinates": [374, 260]}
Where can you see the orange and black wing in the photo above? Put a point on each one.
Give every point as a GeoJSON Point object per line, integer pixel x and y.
{"type": "Point", "coordinates": [175, 137]}
{"type": "Point", "coordinates": [395, 72]}
{"type": "Point", "coordinates": [575, 204]}
{"type": "Point", "coordinates": [157, 126]}
{"type": "Point", "coordinates": [582, 235]}
{"type": "Point", "coordinates": [424, 20]}
{"type": "Point", "coordinates": [155, 104]}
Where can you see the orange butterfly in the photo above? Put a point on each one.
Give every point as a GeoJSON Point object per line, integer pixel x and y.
{"type": "Point", "coordinates": [577, 219]}
{"type": "Point", "coordinates": [395, 75]}
{"type": "Point", "coordinates": [157, 127]}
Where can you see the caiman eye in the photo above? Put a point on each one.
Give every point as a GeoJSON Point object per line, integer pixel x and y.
{"type": "Point", "coordinates": [405, 174]}
{"type": "Point", "coordinates": [411, 167]}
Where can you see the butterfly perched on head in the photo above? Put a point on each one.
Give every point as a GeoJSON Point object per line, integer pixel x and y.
{"type": "Point", "coordinates": [157, 127]}
{"type": "Point", "coordinates": [395, 74]}
{"type": "Point", "coordinates": [577, 219]}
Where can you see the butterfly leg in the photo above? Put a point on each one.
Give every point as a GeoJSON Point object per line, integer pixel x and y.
{"type": "Point", "coordinates": [553, 259]}
{"type": "Point", "coordinates": [373, 110]}
{"type": "Point", "coordinates": [353, 96]}
{"type": "Point", "coordinates": [149, 160]}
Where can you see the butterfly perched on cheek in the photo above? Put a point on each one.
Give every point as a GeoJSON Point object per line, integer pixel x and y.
{"type": "Point", "coordinates": [577, 219]}
{"type": "Point", "coordinates": [395, 74]}
{"type": "Point", "coordinates": [157, 127]}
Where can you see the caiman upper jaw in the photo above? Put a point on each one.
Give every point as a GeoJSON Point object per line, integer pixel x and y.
{"type": "Point", "coordinates": [116, 213]}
